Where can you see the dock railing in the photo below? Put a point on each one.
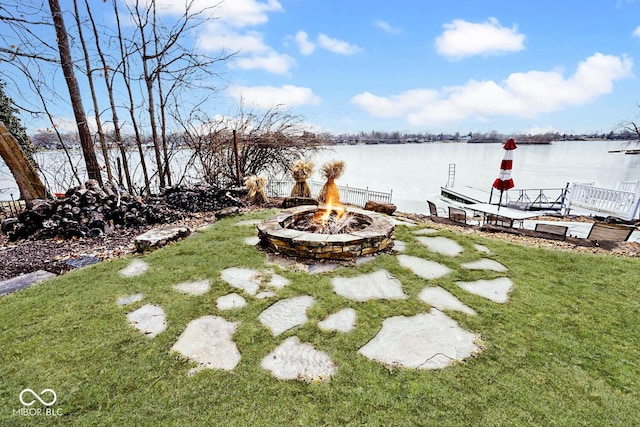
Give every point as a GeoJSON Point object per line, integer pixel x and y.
{"type": "Point", "coordinates": [348, 195]}
{"type": "Point", "coordinates": [619, 203]}
{"type": "Point", "coordinates": [532, 199]}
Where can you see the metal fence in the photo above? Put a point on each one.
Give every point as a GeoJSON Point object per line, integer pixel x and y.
{"type": "Point", "coordinates": [348, 195]}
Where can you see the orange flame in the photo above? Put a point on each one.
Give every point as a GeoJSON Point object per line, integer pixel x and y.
{"type": "Point", "coordinates": [332, 204]}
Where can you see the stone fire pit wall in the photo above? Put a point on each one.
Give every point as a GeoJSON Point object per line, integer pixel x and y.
{"type": "Point", "coordinates": [276, 235]}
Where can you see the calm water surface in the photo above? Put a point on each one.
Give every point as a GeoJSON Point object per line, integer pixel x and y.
{"type": "Point", "coordinates": [415, 172]}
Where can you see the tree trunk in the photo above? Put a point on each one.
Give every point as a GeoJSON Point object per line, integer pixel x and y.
{"type": "Point", "coordinates": [26, 176]}
{"type": "Point", "coordinates": [88, 150]}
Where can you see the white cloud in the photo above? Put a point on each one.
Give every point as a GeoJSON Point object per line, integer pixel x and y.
{"type": "Point", "coordinates": [461, 39]}
{"type": "Point", "coordinates": [306, 46]}
{"type": "Point", "coordinates": [337, 46]}
{"type": "Point", "coordinates": [387, 28]}
{"type": "Point", "coordinates": [271, 61]}
{"type": "Point", "coordinates": [523, 95]}
{"type": "Point", "coordinates": [265, 97]}
{"type": "Point", "coordinates": [636, 32]}
{"type": "Point", "coordinates": [236, 13]}
{"type": "Point", "coordinates": [226, 30]}
{"type": "Point", "coordinates": [252, 52]}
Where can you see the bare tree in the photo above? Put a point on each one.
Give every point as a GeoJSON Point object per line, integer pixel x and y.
{"type": "Point", "coordinates": [94, 96]}
{"type": "Point", "coordinates": [268, 143]}
{"type": "Point", "coordinates": [88, 150]}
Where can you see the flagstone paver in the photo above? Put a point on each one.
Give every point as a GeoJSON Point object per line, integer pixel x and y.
{"type": "Point", "coordinates": [482, 248]}
{"type": "Point", "coordinates": [485, 264]}
{"type": "Point", "coordinates": [441, 245]}
{"type": "Point", "coordinates": [377, 285]}
{"type": "Point", "coordinates": [135, 268]}
{"type": "Point", "coordinates": [425, 341]}
{"type": "Point", "coordinates": [149, 319]}
{"type": "Point", "coordinates": [442, 300]}
{"type": "Point", "coordinates": [294, 360]}
{"type": "Point", "coordinates": [423, 267]}
{"type": "Point", "coordinates": [230, 301]}
{"type": "Point", "coordinates": [278, 282]}
{"type": "Point", "coordinates": [199, 287]}
{"type": "Point", "coordinates": [286, 314]}
{"type": "Point", "coordinates": [496, 290]}
{"type": "Point", "coordinates": [242, 278]}
{"type": "Point", "coordinates": [129, 299]}
{"type": "Point", "coordinates": [341, 321]}
{"type": "Point", "coordinates": [252, 241]}
{"type": "Point", "coordinates": [207, 340]}
{"type": "Point", "coordinates": [399, 246]}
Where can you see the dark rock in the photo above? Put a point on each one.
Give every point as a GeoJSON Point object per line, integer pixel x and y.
{"type": "Point", "coordinates": [385, 208]}
{"type": "Point", "coordinates": [159, 237]}
{"type": "Point", "coordinates": [230, 211]}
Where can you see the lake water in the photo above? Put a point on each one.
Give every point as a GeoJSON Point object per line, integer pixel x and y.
{"type": "Point", "coordinates": [415, 172]}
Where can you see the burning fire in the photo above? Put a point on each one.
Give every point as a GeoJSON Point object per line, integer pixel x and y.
{"type": "Point", "coordinates": [332, 204]}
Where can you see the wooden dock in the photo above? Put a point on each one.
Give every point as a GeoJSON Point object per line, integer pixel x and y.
{"type": "Point", "coordinates": [466, 194]}
{"type": "Point", "coordinates": [531, 199]}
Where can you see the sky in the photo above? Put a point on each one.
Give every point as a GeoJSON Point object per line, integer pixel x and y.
{"type": "Point", "coordinates": [423, 66]}
{"type": "Point", "coordinates": [434, 66]}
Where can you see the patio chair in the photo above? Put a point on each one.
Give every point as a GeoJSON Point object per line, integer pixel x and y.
{"type": "Point", "coordinates": [500, 220]}
{"type": "Point", "coordinates": [433, 209]}
{"type": "Point", "coordinates": [457, 215]}
{"type": "Point", "coordinates": [559, 231]}
{"type": "Point", "coordinates": [602, 231]}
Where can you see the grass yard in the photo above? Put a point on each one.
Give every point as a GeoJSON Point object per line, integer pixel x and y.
{"type": "Point", "coordinates": [563, 351]}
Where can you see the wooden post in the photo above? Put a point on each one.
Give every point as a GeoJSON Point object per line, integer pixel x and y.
{"type": "Point", "coordinates": [235, 149]}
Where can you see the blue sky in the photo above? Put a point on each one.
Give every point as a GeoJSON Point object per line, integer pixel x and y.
{"type": "Point", "coordinates": [450, 66]}
{"type": "Point", "coordinates": [434, 66]}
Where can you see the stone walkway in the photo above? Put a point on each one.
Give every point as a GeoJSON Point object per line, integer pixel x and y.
{"type": "Point", "coordinates": [430, 340]}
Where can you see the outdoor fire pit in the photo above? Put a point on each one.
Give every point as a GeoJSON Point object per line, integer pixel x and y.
{"type": "Point", "coordinates": [325, 232]}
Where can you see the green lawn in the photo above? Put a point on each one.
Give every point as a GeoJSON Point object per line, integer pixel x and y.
{"type": "Point", "coordinates": [565, 349]}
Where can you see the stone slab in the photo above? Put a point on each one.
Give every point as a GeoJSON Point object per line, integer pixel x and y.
{"type": "Point", "coordinates": [441, 245]}
{"type": "Point", "coordinates": [159, 237]}
{"type": "Point", "coordinates": [149, 319]}
{"type": "Point", "coordinates": [377, 285]}
{"type": "Point", "coordinates": [230, 301]}
{"type": "Point", "coordinates": [294, 360]}
{"type": "Point", "coordinates": [441, 299]}
{"type": "Point", "coordinates": [207, 340]}
{"type": "Point", "coordinates": [482, 248]}
{"type": "Point", "coordinates": [424, 341]}
{"type": "Point", "coordinates": [242, 278]}
{"type": "Point", "coordinates": [24, 281]}
{"type": "Point", "coordinates": [496, 290]}
{"type": "Point", "coordinates": [485, 264]}
{"type": "Point", "coordinates": [286, 314]}
{"type": "Point", "coordinates": [423, 267]}
{"type": "Point", "coordinates": [129, 299]}
{"type": "Point", "coordinates": [199, 287]}
{"type": "Point", "coordinates": [341, 321]}
{"type": "Point", "coordinates": [134, 269]}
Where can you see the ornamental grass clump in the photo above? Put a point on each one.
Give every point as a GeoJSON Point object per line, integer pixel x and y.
{"type": "Point", "coordinates": [330, 194]}
{"type": "Point", "coordinates": [301, 171]}
{"type": "Point", "coordinates": [256, 186]}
